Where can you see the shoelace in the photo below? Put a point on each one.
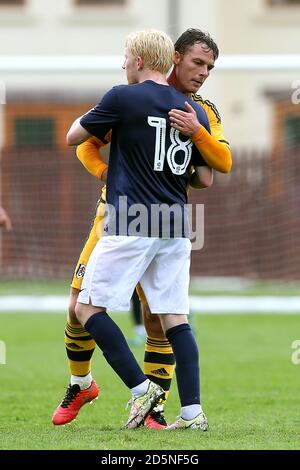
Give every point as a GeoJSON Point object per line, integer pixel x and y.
{"type": "Point", "coordinates": [129, 403]}
{"type": "Point", "coordinates": [71, 393]}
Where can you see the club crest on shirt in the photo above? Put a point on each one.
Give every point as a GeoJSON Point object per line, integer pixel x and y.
{"type": "Point", "coordinates": [80, 271]}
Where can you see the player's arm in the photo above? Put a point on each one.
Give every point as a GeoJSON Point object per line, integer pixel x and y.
{"type": "Point", "coordinates": [98, 121]}
{"type": "Point", "coordinates": [89, 155]}
{"type": "Point", "coordinates": [201, 177]}
{"type": "Point", "coordinates": [5, 220]}
{"type": "Point", "coordinates": [216, 154]}
{"type": "Point", "coordinates": [77, 134]}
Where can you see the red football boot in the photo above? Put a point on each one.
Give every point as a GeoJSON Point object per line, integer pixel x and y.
{"type": "Point", "coordinates": [155, 420]}
{"type": "Point", "coordinates": [73, 400]}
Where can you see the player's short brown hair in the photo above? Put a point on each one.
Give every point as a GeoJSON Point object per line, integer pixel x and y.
{"type": "Point", "coordinates": [195, 36]}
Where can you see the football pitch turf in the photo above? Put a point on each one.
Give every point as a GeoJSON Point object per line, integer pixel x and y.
{"type": "Point", "coordinates": [250, 388]}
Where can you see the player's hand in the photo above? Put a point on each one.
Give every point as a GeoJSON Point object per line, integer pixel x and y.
{"type": "Point", "coordinates": [185, 122]}
{"type": "Point", "coordinates": [5, 220]}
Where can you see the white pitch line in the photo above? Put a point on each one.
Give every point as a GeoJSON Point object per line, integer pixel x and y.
{"type": "Point", "coordinates": [245, 304]}
{"type": "Point", "coordinates": [224, 304]}
{"type": "Point", "coordinates": [43, 303]}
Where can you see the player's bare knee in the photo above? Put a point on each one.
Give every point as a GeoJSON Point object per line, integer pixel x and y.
{"type": "Point", "coordinates": [171, 320]}
{"type": "Point", "coordinates": [72, 304]}
{"type": "Point", "coordinates": [153, 327]}
{"type": "Point", "coordinates": [71, 312]}
{"type": "Point", "coordinates": [80, 312]}
{"type": "Point", "coordinates": [85, 311]}
{"type": "Point", "coordinates": [152, 323]}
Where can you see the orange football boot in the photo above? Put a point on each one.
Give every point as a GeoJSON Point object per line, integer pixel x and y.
{"type": "Point", "coordinates": [73, 400]}
{"type": "Point", "coordinates": [155, 420]}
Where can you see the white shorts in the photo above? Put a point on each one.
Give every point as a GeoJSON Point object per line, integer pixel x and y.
{"type": "Point", "coordinates": [118, 263]}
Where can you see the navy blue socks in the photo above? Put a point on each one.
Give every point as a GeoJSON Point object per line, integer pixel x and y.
{"type": "Point", "coordinates": [186, 354]}
{"type": "Point", "coordinates": [112, 342]}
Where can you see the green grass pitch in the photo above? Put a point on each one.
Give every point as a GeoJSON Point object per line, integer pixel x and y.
{"type": "Point", "coordinates": [250, 388]}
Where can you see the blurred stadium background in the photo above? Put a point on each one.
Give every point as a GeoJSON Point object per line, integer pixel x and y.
{"type": "Point", "coordinates": [57, 58]}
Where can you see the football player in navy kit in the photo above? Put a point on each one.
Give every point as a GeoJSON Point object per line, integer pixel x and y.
{"type": "Point", "coordinates": [149, 167]}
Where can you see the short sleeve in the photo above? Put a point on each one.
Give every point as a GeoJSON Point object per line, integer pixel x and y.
{"type": "Point", "coordinates": [104, 116]}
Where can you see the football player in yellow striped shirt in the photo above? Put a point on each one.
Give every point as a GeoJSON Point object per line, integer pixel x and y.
{"type": "Point", "coordinates": [195, 56]}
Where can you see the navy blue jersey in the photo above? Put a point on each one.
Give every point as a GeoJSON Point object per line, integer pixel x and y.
{"type": "Point", "coordinates": [149, 161]}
